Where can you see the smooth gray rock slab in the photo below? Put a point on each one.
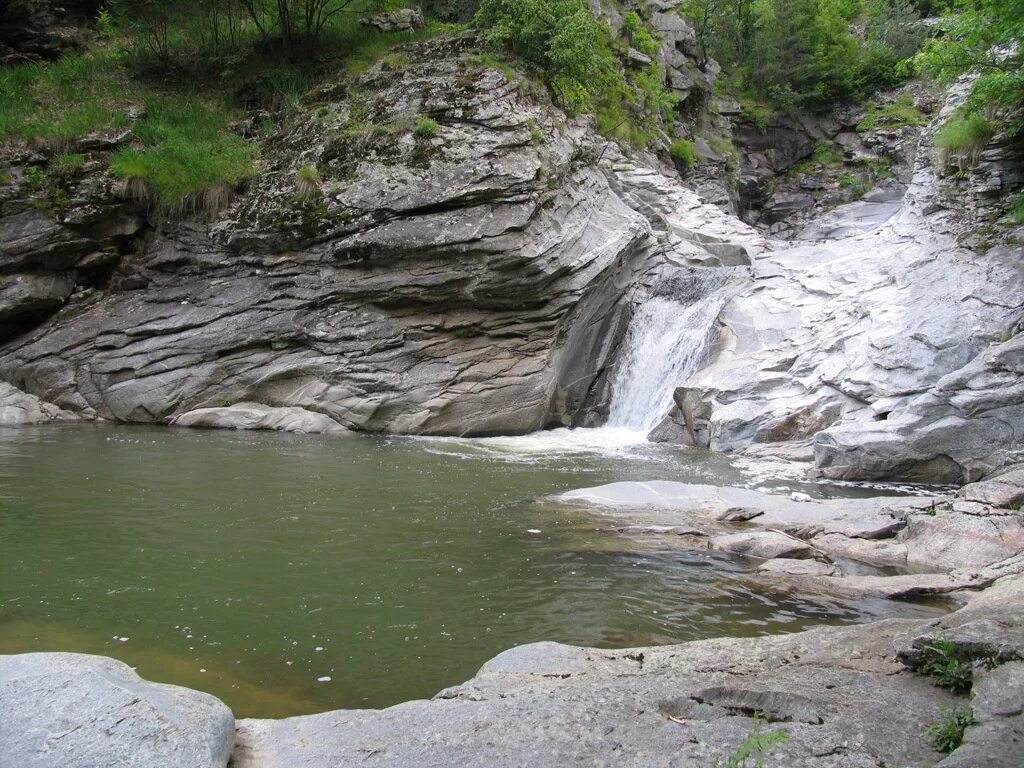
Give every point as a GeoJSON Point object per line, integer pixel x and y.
{"type": "Point", "coordinates": [665, 501]}
{"type": "Point", "coordinates": [256, 416]}
{"type": "Point", "coordinates": [68, 710]}
{"type": "Point", "coordinates": [18, 408]}
{"type": "Point", "coordinates": [765, 545]}
{"type": "Point", "coordinates": [1002, 489]}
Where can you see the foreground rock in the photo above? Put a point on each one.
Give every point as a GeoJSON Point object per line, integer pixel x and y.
{"type": "Point", "coordinates": [18, 408]}
{"type": "Point", "coordinates": [843, 695]}
{"type": "Point", "coordinates": [67, 710]}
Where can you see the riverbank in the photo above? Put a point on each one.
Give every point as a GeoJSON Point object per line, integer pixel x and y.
{"type": "Point", "coordinates": [845, 696]}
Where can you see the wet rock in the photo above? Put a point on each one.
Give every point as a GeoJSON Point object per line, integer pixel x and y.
{"type": "Point", "coordinates": [764, 545]}
{"type": "Point", "coordinates": [255, 416]}
{"type": "Point", "coordinates": [793, 567]}
{"type": "Point", "coordinates": [66, 710]}
{"type": "Point", "coordinates": [18, 408]}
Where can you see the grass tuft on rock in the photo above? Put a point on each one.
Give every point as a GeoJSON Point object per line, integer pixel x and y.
{"type": "Point", "coordinates": [426, 128]}
{"type": "Point", "coordinates": [189, 160]}
{"type": "Point", "coordinates": [962, 137]}
{"type": "Point", "coordinates": [684, 153]}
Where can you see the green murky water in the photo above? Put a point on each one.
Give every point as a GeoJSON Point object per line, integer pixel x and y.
{"type": "Point", "coordinates": [257, 566]}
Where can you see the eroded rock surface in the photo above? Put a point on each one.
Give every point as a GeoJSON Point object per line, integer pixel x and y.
{"type": "Point", "coordinates": [69, 710]}
{"type": "Point", "coordinates": [842, 694]}
{"type": "Point", "coordinates": [473, 282]}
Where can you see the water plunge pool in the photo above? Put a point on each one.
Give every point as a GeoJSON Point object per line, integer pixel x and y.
{"type": "Point", "coordinates": [289, 575]}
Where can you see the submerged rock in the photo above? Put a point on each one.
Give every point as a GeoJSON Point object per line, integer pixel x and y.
{"type": "Point", "coordinates": [69, 710]}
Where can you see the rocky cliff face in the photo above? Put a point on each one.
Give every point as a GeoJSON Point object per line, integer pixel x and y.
{"type": "Point", "coordinates": [889, 330]}
{"type": "Point", "coordinates": [435, 249]}
{"type": "Point", "coordinates": [472, 280]}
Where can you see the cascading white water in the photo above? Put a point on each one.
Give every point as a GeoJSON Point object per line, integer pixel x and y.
{"type": "Point", "coordinates": [666, 343]}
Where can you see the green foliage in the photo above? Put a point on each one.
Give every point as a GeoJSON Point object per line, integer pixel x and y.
{"type": "Point", "coordinates": [825, 154]}
{"type": "Point", "coordinates": [684, 153]}
{"type": "Point", "coordinates": [536, 132]}
{"type": "Point", "coordinates": [426, 128]}
{"type": "Point", "coordinates": [807, 53]}
{"type": "Point", "coordinates": [946, 669]}
{"type": "Point", "coordinates": [982, 35]}
{"type": "Point", "coordinates": [189, 161]}
{"type": "Point", "coordinates": [962, 137]}
{"type": "Point", "coordinates": [1016, 212]}
{"type": "Point", "coordinates": [55, 102]}
{"type": "Point", "coordinates": [947, 733]}
{"type": "Point", "coordinates": [758, 745]}
{"type": "Point", "coordinates": [639, 36]}
{"type": "Point", "coordinates": [899, 113]}
{"type": "Point", "coordinates": [575, 54]}
{"type": "Point", "coordinates": [35, 177]}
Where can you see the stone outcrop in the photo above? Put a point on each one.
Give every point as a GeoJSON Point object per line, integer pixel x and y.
{"type": "Point", "coordinates": [923, 535]}
{"type": "Point", "coordinates": [962, 428]}
{"type": "Point", "coordinates": [476, 281]}
{"type": "Point", "coordinates": [18, 408]}
{"type": "Point", "coordinates": [76, 711]}
{"type": "Point", "coordinates": [844, 697]}
{"type": "Point", "coordinates": [890, 336]}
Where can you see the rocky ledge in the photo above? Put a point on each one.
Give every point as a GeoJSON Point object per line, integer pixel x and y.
{"type": "Point", "coordinates": [852, 697]}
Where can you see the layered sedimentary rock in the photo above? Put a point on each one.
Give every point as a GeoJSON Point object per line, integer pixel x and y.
{"type": "Point", "coordinates": [433, 249]}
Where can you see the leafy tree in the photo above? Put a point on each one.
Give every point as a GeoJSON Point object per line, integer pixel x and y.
{"type": "Point", "coordinates": [571, 47]}
{"type": "Point", "coordinates": [985, 36]}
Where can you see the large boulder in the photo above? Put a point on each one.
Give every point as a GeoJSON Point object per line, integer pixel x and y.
{"type": "Point", "coordinates": [68, 710]}
{"type": "Point", "coordinates": [967, 425]}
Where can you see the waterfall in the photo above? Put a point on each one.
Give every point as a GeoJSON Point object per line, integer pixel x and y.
{"type": "Point", "coordinates": [667, 341]}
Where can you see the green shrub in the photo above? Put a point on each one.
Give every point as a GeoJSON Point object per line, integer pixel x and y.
{"type": "Point", "coordinates": [962, 137]}
{"type": "Point", "coordinates": [35, 177]}
{"type": "Point", "coordinates": [426, 128]}
{"type": "Point", "coordinates": [945, 668]}
{"type": "Point", "coordinates": [684, 153]}
{"type": "Point", "coordinates": [575, 55]}
{"type": "Point", "coordinates": [900, 113]}
{"type": "Point", "coordinates": [947, 733]}
{"type": "Point", "coordinates": [639, 36]}
{"type": "Point", "coordinates": [189, 162]}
